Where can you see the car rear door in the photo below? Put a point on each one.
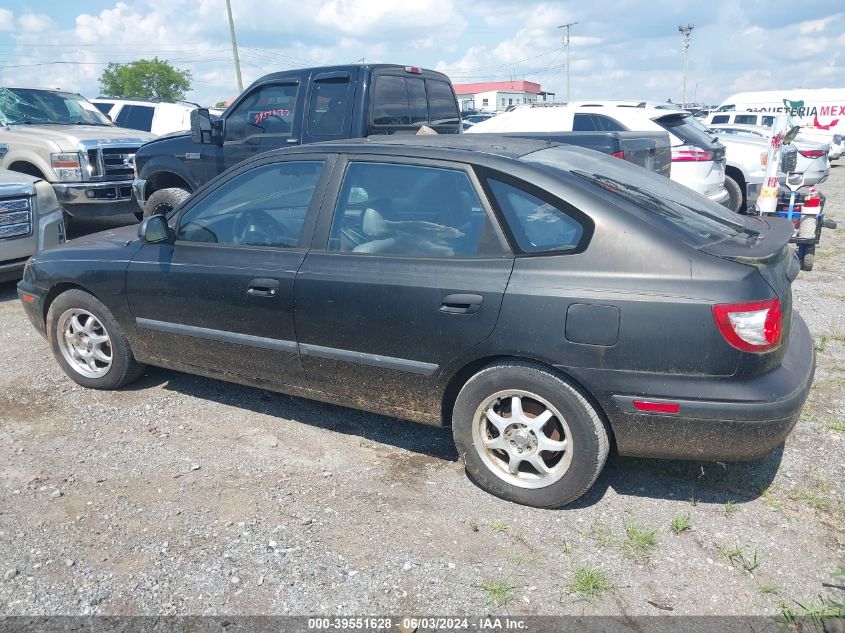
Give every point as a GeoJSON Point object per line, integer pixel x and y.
{"type": "Point", "coordinates": [220, 297]}
{"type": "Point", "coordinates": [407, 273]}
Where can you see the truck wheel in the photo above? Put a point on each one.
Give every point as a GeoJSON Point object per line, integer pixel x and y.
{"type": "Point", "coordinates": [734, 193]}
{"type": "Point", "coordinates": [165, 200]}
{"type": "Point", "coordinates": [527, 435]}
{"type": "Point", "coordinates": [809, 258]}
{"type": "Point", "coordinates": [88, 342]}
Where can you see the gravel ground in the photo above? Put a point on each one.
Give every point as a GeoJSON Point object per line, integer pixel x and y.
{"type": "Point", "coordinates": [182, 495]}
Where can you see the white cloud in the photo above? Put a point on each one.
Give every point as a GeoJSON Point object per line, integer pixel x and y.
{"type": "Point", "coordinates": [32, 23]}
{"type": "Point", "coordinates": [7, 20]}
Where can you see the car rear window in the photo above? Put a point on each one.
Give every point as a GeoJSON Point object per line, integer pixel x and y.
{"type": "Point", "coordinates": [720, 118]}
{"type": "Point", "coordinates": [441, 102]}
{"type": "Point", "coordinates": [693, 218]}
{"type": "Point", "coordinates": [684, 127]}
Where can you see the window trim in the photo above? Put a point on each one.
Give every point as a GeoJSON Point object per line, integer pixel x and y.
{"type": "Point", "coordinates": [587, 224]}
{"type": "Point", "coordinates": [322, 232]}
{"type": "Point", "coordinates": [308, 225]}
{"type": "Point", "coordinates": [293, 81]}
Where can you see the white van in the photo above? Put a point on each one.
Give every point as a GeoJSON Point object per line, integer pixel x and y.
{"type": "Point", "coordinates": [157, 117]}
{"type": "Point", "coordinates": [823, 109]}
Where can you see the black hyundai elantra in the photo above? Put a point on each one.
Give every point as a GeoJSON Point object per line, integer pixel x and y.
{"type": "Point", "coordinates": [546, 302]}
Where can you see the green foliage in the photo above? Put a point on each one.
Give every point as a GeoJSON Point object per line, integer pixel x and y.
{"type": "Point", "coordinates": [640, 543]}
{"type": "Point", "coordinates": [145, 79]}
{"type": "Point", "coordinates": [499, 527]}
{"type": "Point", "coordinates": [589, 583]}
{"type": "Point", "coordinates": [498, 593]}
{"type": "Point", "coordinates": [680, 523]}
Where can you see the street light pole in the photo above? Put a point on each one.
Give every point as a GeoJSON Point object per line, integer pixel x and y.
{"type": "Point", "coordinates": [565, 43]}
{"type": "Point", "coordinates": [234, 46]}
{"type": "Point", "coordinates": [686, 29]}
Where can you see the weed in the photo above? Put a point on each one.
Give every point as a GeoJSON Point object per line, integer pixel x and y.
{"type": "Point", "coordinates": [693, 500]}
{"type": "Point", "coordinates": [499, 527]}
{"type": "Point", "coordinates": [589, 583]}
{"type": "Point", "coordinates": [769, 590]}
{"type": "Point", "coordinates": [565, 546]}
{"type": "Point", "coordinates": [521, 559]}
{"type": "Point", "coordinates": [818, 614]}
{"type": "Point", "coordinates": [769, 500]}
{"type": "Point", "coordinates": [730, 507]}
{"type": "Point", "coordinates": [680, 523]}
{"type": "Point", "coordinates": [640, 543]}
{"type": "Point", "coordinates": [839, 573]}
{"type": "Point", "coordinates": [498, 593]}
{"type": "Point", "coordinates": [600, 533]}
{"type": "Point", "coordinates": [813, 499]}
{"type": "Point", "coordinates": [822, 344]}
{"type": "Point", "coordinates": [738, 557]}
{"type": "Point", "coordinates": [836, 426]}
{"type": "Point", "coordinates": [519, 537]}
{"type": "Point", "coordinates": [473, 525]}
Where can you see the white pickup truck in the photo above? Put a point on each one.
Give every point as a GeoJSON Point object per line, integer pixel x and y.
{"type": "Point", "coordinates": [30, 220]}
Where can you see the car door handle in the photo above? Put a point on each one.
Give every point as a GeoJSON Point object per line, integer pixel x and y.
{"type": "Point", "coordinates": [263, 288]}
{"type": "Point", "coordinates": [461, 304]}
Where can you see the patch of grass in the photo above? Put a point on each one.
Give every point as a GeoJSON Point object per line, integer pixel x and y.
{"type": "Point", "coordinates": [520, 537]}
{"type": "Point", "coordinates": [730, 507]}
{"type": "Point", "coordinates": [680, 523]}
{"type": "Point", "coordinates": [818, 614]}
{"type": "Point", "coordinates": [838, 368]}
{"type": "Point", "coordinates": [835, 425]}
{"type": "Point", "coordinates": [768, 590]}
{"type": "Point", "coordinates": [498, 593]}
{"type": "Point", "coordinates": [770, 501]}
{"type": "Point", "coordinates": [640, 543]}
{"type": "Point", "coordinates": [522, 559]}
{"type": "Point", "coordinates": [814, 500]}
{"type": "Point", "coordinates": [838, 335]}
{"type": "Point", "coordinates": [822, 344]}
{"type": "Point", "coordinates": [565, 546]}
{"type": "Point", "coordinates": [589, 583]}
{"type": "Point", "coordinates": [839, 573]}
{"type": "Point", "coordinates": [499, 527]}
{"type": "Point", "coordinates": [738, 558]}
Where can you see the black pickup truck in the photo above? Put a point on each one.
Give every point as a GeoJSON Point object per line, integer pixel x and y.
{"type": "Point", "coordinates": [291, 108]}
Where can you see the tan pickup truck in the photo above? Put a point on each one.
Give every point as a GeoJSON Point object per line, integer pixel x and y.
{"type": "Point", "coordinates": [62, 138]}
{"type": "Point", "coordinates": [30, 221]}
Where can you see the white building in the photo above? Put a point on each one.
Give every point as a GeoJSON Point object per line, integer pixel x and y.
{"type": "Point", "coordinates": [496, 96]}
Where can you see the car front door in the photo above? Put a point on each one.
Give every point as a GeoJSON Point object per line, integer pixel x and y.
{"type": "Point", "coordinates": [265, 118]}
{"type": "Point", "coordinates": [407, 273]}
{"type": "Point", "coordinates": [220, 296]}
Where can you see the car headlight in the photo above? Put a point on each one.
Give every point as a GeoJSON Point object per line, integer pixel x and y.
{"type": "Point", "coordinates": [67, 167]}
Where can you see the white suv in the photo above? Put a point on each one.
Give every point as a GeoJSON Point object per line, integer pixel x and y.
{"type": "Point", "coordinates": [151, 116]}
{"type": "Point", "coordinates": [697, 162]}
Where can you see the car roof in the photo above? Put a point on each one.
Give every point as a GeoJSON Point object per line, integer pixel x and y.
{"type": "Point", "coordinates": [342, 67]}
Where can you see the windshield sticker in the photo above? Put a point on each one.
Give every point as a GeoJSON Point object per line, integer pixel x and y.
{"type": "Point", "coordinates": [261, 116]}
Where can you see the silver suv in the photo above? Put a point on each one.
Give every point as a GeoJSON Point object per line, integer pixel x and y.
{"type": "Point", "coordinates": [62, 138]}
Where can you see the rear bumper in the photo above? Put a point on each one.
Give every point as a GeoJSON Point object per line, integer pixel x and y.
{"type": "Point", "coordinates": [720, 197]}
{"type": "Point", "coordinates": [719, 418]}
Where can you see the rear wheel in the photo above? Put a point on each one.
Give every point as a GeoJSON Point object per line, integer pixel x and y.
{"type": "Point", "coordinates": [528, 436]}
{"type": "Point", "coordinates": [165, 200]}
{"type": "Point", "coordinates": [735, 202]}
{"type": "Point", "coordinates": [88, 343]}
{"type": "Point", "coordinates": [809, 259]}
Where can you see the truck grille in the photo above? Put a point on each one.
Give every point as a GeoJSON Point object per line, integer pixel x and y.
{"type": "Point", "coordinates": [15, 218]}
{"type": "Point", "coordinates": [115, 161]}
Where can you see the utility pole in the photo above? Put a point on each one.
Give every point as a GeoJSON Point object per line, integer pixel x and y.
{"type": "Point", "coordinates": [234, 46]}
{"type": "Point", "coordinates": [686, 29]}
{"type": "Point", "coordinates": [565, 42]}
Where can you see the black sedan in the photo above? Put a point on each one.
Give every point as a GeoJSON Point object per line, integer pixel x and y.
{"type": "Point", "coordinates": [547, 302]}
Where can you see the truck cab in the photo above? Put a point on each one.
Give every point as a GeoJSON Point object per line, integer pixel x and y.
{"type": "Point", "coordinates": [289, 108]}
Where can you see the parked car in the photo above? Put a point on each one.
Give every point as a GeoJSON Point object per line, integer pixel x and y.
{"type": "Point", "coordinates": [762, 119]}
{"type": "Point", "coordinates": [30, 220]}
{"type": "Point", "coordinates": [495, 285]}
{"type": "Point", "coordinates": [697, 162]}
{"type": "Point", "coordinates": [62, 138]}
{"type": "Point", "coordinates": [471, 119]}
{"type": "Point", "coordinates": [291, 108]}
{"type": "Point", "coordinates": [157, 117]}
{"type": "Point", "coordinates": [822, 109]}
{"type": "Point", "coordinates": [812, 158]}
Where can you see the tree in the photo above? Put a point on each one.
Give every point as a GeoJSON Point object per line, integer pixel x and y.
{"type": "Point", "coordinates": [145, 79]}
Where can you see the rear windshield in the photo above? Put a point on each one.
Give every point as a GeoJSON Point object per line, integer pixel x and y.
{"type": "Point", "coordinates": [656, 199]}
{"type": "Point", "coordinates": [685, 127]}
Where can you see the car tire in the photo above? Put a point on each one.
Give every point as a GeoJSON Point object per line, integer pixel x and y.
{"type": "Point", "coordinates": [81, 346]}
{"type": "Point", "coordinates": [735, 201]}
{"type": "Point", "coordinates": [488, 442]}
{"type": "Point", "coordinates": [164, 200]}
{"type": "Point", "coordinates": [808, 261]}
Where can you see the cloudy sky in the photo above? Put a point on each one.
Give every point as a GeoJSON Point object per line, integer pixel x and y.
{"type": "Point", "coordinates": [621, 49]}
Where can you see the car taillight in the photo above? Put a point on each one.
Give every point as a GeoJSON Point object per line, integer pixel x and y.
{"type": "Point", "coordinates": [414, 70]}
{"type": "Point", "coordinates": [619, 154]}
{"type": "Point", "coordinates": [690, 154]}
{"type": "Point", "coordinates": [812, 153]}
{"type": "Point", "coordinates": [750, 327]}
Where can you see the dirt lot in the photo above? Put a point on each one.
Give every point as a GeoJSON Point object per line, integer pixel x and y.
{"type": "Point", "coordinates": [183, 495]}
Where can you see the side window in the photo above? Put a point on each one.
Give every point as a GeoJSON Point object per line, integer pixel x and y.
{"type": "Point", "coordinates": [746, 119]}
{"type": "Point", "coordinates": [328, 107]}
{"type": "Point", "coordinates": [537, 226]}
{"type": "Point", "coordinates": [390, 101]}
{"type": "Point", "coordinates": [104, 107]}
{"type": "Point", "coordinates": [607, 124]}
{"type": "Point", "coordinates": [267, 110]}
{"type": "Point", "coordinates": [719, 118]}
{"type": "Point", "coordinates": [583, 123]}
{"type": "Point", "coordinates": [136, 117]}
{"type": "Point", "coordinates": [410, 210]}
{"type": "Point", "coordinates": [768, 121]}
{"type": "Point", "coordinates": [265, 206]}
{"type": "Point", "coordinates": [441, 102]}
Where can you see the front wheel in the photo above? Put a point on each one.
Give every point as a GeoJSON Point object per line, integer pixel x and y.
{"type": "Point", "coordinates": [735, 197]}
{"type": "Point", "coordinates": [528, 436]}
{"type": "Point", "coordinates": [88, 343]}
{"type": "Point", "coordinates": [164, 201]}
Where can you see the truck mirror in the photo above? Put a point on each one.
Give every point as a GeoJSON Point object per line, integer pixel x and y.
{"type": "Point", "coordinates": [154, 229]}
{"type": "Point", "coordinates": [201, 125]}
